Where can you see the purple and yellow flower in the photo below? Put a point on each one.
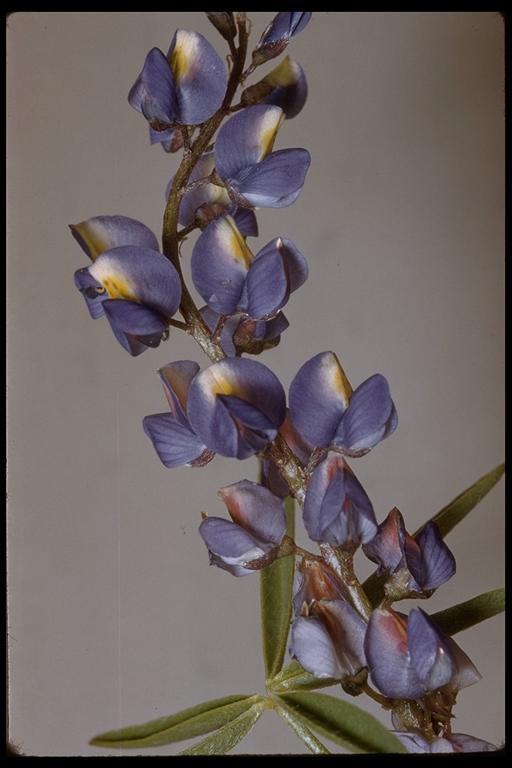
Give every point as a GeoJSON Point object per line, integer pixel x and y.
{"type": "Point", "coordinates": [278, 34]}
{"type": "Point", "coordinates": [129, 280]}
{"type": "Point", "coordinates": [285, 87]}
{"type": "Point", "coordinates": [409, 657]}
{"type": "Point", "coordinates": [254, 175]}
{"type": "Point", "coordinates": [232, 280]}
{"type": "Point", "coordinates": [209, 201]}
{"type": "Point", "coordinates": [455, 742]}
{"type": "Point", "coordinates": [329, 642]}
{"type": "Point", "coordinates": [186, 87]}
{"type": "Point", "coordinates": [418, 565]}
{"type": "Point", "coordinates": [337, 510]}
{"type": "Point", "coordinates": [327, 412]}
{"type": "Point", "coordinates": [236, 407]}
{"type": "Point", "coordinates": [252, 540]}
{"type": "Point", "coordinates": [173, 438]}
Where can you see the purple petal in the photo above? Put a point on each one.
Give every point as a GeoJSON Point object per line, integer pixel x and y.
{"type": "Point", "coordinates": [170, 139]}
{"type": "Point", "coordinates": [461, 742]}
{"type": "Point", "coordinates": [256, 509]}
{"type": "Point", "coordinates": [275, 182]}
{"type": "Point", "coordinates": [204, 194]}
{"type": "Point", "coordinates": [275, 326]}
{"type": "Point", "coordinates": [199, 74]}
{"type": "Point", "coordinates": [289, 87]}
{"type": "Point", "coordinates": [230, 546]}
{"type": "Point", "coordinates": [101, 233]}
{"type": "Point", "coordinates": [285, 25]}
{"type": "Point", "coordinates": [139, 274]}
{"type": "Point", "coordinates": [413, 742]}
{"type": "Point", "coordinates": [245, 379]}
{"type": "Point", "coordinates": [153, 93]}
{"type": "Point", "coordinates": [430, 655]}
{"type": "Point", "coordinates": [388, 657]}
{"type": "Point", "coordinates": [246, 222]}
{"type": "Point", "coordinates": [92, 291]}
{"type": "Point", "coordinates": [437, 561]}
{"type": "Point", "coordinates": [387, 546]}
{"type": "Point", "coordinates": [174, 443]}
{"type": "Point", "coordinates": [337, 509]}
{"type": "Point", "coordinates": [245, 139]}
{"type": "Point", "coordinates": [318, 582]}
{"type": "Point", "coordinates": [135, 327]}
{"type": "Point", "coordinates": [211, 319]}
{"type": "Point", "coordinates": [278, 269]}
{"type": "Point", "coordinates": [220, 262]}
{"type": "Point", "coordinates": [319, 395]}
{"type": "Point", "coordinates": [347, 631]}
{"type": "Point", "coordinates": [369, 418]}
{"type": "Point", "coordinates": [466, 673]}
{"type": "Point", "coordinates": [176, 378]}
{"type": "Point", "coordinates": [313, 648]}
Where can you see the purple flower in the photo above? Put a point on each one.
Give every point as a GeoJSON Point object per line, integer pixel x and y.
{"type": "Point", "coordinates": [327, 413]}
{"type": "Point", "coordinates": [173, 438]}
{"type": "Point", "coordinates": [409, 657]}
{"type": "Point", "coordinates": [418, 564]}
{"type": "Point", "coordinates": [252, 540]}
{"type": "Point", "coordinates": [285, 87]}
{"type": "Point", "coordinates": [231, 280]}
{"type": "Point", "coordinates": [278, 33]}
{"type": "Point", "coordinates": [208, 201]}
{"type": "Point", "coordinates": [336, 508]}
{"type": "Point", "coordinates": [329, 643]}
{"type": "Point", "coordinates": [129, 281]}
{"type": "Point", "coordinates": [241, 334]}
{"type": "Point", "coordinates": [455, 742]}
{"type": "Point", "coordinates": [236, 407]}
{"type": "Point", "coordinates": [256, 177]}
{"type": "Point", "coordinates": [186, 87]}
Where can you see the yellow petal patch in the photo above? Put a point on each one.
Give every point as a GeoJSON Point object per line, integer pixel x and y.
{"type": "Point", "coordinates": [184, 54]}
{"type": "Point", "coordinates": [287, 73]}
{"type": "Point", "coordinates": [234, 242]}
{"type": "Point", "coordinates": [94, 238]}
{"type": "Point", "coordinates": [268, 131]}
{"type": "Point", "coordinates": [337, 377]}
{"type": "Point", "coordinates": [117, 284]}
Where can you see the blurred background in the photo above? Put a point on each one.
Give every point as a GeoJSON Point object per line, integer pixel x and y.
{"type": "Point", "coordinates": [115, 617]}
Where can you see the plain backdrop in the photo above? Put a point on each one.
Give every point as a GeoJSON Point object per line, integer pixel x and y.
{"type": "Point", "coordinates": [114, 615]}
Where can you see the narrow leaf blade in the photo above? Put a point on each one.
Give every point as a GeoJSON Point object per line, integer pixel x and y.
{"type": "Point", "coordinates": [344, 723]}
{"type": "Point", "coordinates": [276, 584]}
{"type": "Point", "coordinates": [446, 519]}
{"type": "Point", "coordinates": [471, 612]}
{"type": "Point", "coordinates": [462, 505]}
{"type": "Point", "coordinates": [296, 724]}
{"type": "Point", "coordinates": [186, 724]}
{"type": "Point", "coordinates": [227, 737]}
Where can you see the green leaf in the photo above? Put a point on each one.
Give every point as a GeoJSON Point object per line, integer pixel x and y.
{"type": "Point", "coordinates": [229, 735]}
{"type": "Point", "coordinates": [446, 520]}
{"type": "Point", "coordinates": [457, 509]}
{"type": "Point", "coordinates": [185, 724]}
{"type": "Point", "coordinates": [295, 678]}
{"type": "Point", "coordinates": [276, 583]}
{"type": "Point", "coordinates": [471, 612]}
{"type": "Point", "coordinates": [302, 731]}
{"type": "Point", "coordinates": [344, 723]}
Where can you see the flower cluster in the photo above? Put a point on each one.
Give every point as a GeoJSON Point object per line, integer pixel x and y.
{"type": "Point", "coordinates": [238, 408]}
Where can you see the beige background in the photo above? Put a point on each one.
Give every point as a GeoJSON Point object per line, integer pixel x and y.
{"type": "Point", "coordinates": [114, 616]}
